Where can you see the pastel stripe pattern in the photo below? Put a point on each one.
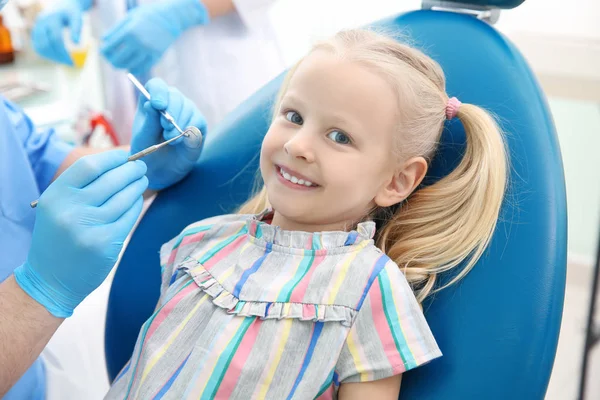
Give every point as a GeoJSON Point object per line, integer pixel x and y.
{"type": "Point", "coordinates": [221, 368]}
{"type": "Point", "coordinates": [250, 311]}
{"type": "Point", "coordinates": [272, 364]}
{"type": "Point", "coordinates": [231, 372]}
{"type": "Point", "coordinates": [317, 330]}
{"type": "Point", "coordinates": [169, 383]}
{"type": "Point", "coordinates": [299, 290]}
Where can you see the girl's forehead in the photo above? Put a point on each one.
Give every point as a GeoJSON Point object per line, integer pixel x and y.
{"type": "Point", "coordinates": [345, 90]}
{"type": "Point", "coordinates": [329, 72]}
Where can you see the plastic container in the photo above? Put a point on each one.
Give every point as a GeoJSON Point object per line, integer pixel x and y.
{"type": "Point", "coordinates": [7, 52]}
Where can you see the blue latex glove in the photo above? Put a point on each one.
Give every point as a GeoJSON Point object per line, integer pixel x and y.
{"type": "Point", "coordinates": [171, 163]}
{"type": "Point", "coordinates": [82, 221]}
{"type": "Point", "coordinates": [140, 39]}
{"type": "Point", "coordinates": [47, 34]}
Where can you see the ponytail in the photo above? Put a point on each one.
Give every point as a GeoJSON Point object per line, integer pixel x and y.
{"type": "Point", "coordinates": [453, 220]}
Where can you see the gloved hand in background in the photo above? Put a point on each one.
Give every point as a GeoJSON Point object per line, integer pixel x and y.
{"type": "Point", "coordinates": [139, 40]}
{"type": "Point", "coordinates": [47, 34]}
{"type": "Point", "coordinates": [171, 163]}
{"type": "Point", "coordinates": [82, 221]}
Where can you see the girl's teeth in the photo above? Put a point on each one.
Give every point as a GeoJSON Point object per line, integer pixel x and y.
{"type": "Point", "coordinates": [293, 179]}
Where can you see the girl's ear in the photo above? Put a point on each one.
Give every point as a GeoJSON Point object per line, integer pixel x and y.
{"type": "Point", "coordinates": [402, 183]}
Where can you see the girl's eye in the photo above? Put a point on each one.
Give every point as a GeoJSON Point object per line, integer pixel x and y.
{"type": "Point", "coordinates": [294, 117]}
{"type": "Point", "coordinates": [339, 137]}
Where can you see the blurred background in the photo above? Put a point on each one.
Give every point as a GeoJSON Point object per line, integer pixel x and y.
{"type": "Point", "coordinates": [560, 39]}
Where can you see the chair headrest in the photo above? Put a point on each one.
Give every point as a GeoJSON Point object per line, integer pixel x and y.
{"type": "Point", "coordinates": [505, 4]}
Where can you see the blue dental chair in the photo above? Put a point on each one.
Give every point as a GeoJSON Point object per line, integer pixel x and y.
{"type": "Point", "coordinates": [498, 328]}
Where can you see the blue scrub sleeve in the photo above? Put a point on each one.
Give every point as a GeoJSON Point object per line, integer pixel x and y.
{"type": "Point", "coordinates": [45, 150]}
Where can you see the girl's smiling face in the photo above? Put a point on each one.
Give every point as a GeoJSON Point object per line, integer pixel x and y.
{"type": "Point", "coordinates": [328, 156]}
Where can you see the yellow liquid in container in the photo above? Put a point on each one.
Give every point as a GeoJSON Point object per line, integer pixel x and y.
{"type": "Point", "coordinates": [79, 56]}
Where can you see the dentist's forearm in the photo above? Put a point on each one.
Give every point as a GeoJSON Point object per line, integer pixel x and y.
{"type": "Point", "coordinates": [77, 153]}
{"type": "Point", "coordinates": [25, 329]}
{"type": "Point", "coordinates": [217, 8]}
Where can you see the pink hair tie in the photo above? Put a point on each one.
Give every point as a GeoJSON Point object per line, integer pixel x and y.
{"type": "Point", "coordinates": [452, 108]}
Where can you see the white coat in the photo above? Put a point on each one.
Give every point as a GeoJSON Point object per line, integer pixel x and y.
{"type": "Point", "coordinates": [217, 66]}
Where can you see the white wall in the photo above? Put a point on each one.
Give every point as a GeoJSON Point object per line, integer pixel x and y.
{"type": "Point", "coordinates": [578, 126]}
{"type": "Point", "coordinates": [543, 29]}
{"type": "Point", "coordinates": [300, 22]}
{"type": "Point", "coordinates": [558, 18]}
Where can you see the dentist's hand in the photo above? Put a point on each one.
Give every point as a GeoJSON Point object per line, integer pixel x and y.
{"type": "Point", "coordinates": [171, 163]}
{"type": "Point", "coordinates": [82, 221]}
{"type": "Point", "coordinates": [47, 35]}
{"type": "Point", "coordinates": [139, 40]}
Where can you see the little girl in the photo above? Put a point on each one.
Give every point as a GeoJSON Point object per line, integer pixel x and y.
{"type": "Point", "coordinates": [299, 296]}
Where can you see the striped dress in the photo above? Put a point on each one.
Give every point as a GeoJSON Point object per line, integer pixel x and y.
{"type": "Point", "coordinates": [250, 311]}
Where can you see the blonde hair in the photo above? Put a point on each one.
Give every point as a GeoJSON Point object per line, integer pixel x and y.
{"type": "Point", "coordinates": [451, 221]}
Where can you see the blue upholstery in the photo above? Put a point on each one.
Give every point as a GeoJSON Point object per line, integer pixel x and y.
{"type": "Point", "coordinates": [498, 328]}
{"type": "Point", "coordinates": [489, 3]}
